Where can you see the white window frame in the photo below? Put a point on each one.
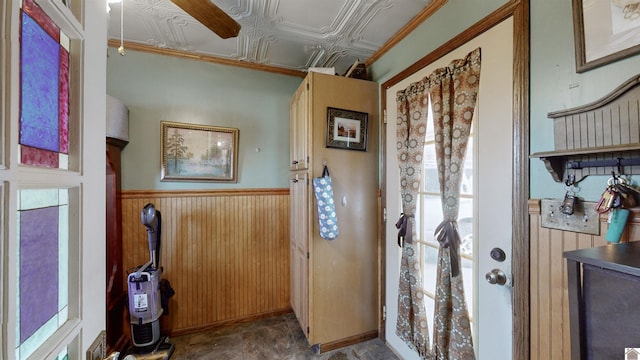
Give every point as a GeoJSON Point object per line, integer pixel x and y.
{"type": "Point", "coordinates": [15, 177]}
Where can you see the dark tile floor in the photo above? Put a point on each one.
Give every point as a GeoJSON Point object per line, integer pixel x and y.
{"type": "Point", "coordinates": [277, 337]}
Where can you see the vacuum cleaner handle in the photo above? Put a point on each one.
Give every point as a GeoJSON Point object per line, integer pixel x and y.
{"type": "Point", "coordinates": [150, 221]}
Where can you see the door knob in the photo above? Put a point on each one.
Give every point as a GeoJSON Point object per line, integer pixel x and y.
{"type": "Point", "coordinates": [496, 276]}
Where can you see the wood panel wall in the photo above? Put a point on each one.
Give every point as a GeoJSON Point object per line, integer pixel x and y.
{"type": "Point", "coordinates": [225, 253]}
{"type": "Point", "coordinates": [549, 298]}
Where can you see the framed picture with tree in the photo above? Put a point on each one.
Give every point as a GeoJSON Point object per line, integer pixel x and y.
{"type": "Point", "coordinates": [193, 152]}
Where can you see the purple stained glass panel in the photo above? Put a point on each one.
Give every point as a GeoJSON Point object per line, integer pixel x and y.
{"type": "Point", "coordinates": [40, 80]}
{"type": "Point", "coordinates": [38, 268]}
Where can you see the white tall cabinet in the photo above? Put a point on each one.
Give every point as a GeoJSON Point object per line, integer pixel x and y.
{"type": "Point", "coordinates": [334, 283]}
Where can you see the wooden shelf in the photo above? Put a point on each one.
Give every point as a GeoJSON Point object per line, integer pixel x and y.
{"type": "Point", "coordinates": [616, 158]}
{"type": "Point", "coordinates": [586, 151]}
{"type": "Point", "coordinates": [613, 122]}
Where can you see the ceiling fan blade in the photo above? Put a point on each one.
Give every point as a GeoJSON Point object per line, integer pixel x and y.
{"type": "Point", "coordinates": [210, 16]}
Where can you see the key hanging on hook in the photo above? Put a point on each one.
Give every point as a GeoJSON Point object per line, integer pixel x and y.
{"type": "Point", "coordinates": [614, 178]}
{"type": "Point", "coordinates": [570, 200]}
{"type": "Point", "coordinates": [569, 203]}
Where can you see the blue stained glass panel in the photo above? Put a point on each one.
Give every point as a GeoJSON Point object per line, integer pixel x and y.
{"type": "Point", "coordinates": [38, 268]}
{"type": "Point", "coordinates": [40, 67]}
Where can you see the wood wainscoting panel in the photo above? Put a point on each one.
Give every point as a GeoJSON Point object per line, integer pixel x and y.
{"type": "Point", "coordinates": [550, 338]}
{"type": "Point", "coordinates": [225, 253]}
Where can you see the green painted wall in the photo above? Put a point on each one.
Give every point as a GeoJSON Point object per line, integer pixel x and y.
{"type": "Point", "coordinates": [156, 88]}
{"type": "Point", "coordinates": [555, 85]}
{"type": "Point", "coordinates": [452, 19]}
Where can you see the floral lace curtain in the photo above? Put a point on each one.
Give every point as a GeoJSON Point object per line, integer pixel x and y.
{"type": "Point", "coordinates": [453, 91]}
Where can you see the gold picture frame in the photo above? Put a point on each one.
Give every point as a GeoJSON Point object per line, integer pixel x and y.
{"type": "Point", "coordinates": [605, 31]}
{"type": "Point", "coordinates": [346, 129]}
{"type": "Point", "coordinates": [191, 152]}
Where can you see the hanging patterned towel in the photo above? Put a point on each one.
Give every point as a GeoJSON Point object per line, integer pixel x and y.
{"type": "Point", "coordinates": [326, 209]}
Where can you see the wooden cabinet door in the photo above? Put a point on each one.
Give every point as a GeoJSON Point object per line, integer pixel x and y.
{"type": "Point", "coordinates": [299, 225]}
{"type": "Point", "coordinates": [299, 132]}
{"type": "Point", "coordinates": [115, 292]}
{"type": "Point", "coordinates": [325, 273]}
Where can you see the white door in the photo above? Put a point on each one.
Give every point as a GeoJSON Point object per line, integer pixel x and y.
{"type": "Point", "coordinates": [486, 203]}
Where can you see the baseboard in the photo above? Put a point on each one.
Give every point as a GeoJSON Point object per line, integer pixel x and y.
{"type": "Point", "coordinates": [229, 322]}
{"type": "Point", "coordinates": [347, 341]}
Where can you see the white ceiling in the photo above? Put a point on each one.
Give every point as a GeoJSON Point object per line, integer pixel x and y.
{"type": "Point", "coordinates": [287, 34]}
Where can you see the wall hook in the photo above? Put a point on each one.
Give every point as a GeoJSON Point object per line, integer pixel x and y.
{"type": "Point", "coordinates": [619, 165]}
{"type": "Point", "coordinates": [571, 180]}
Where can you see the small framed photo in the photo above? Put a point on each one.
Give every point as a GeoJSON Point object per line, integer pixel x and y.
{"type": "Point", "coordinates": [98, 349]}
{"type": "Point", "coordinates": [347, 129]}
{"type": "Point", "coordinates": [605, 31]}
{"type": "Point", "coordinates": [198, 152]}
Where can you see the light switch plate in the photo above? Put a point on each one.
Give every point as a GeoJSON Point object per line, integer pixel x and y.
{"type": "Point", "coordinates": [585, 218]}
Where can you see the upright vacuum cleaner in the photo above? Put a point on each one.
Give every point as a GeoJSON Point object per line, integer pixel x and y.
{"type": "Point", "coordinates": [145, 306]}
